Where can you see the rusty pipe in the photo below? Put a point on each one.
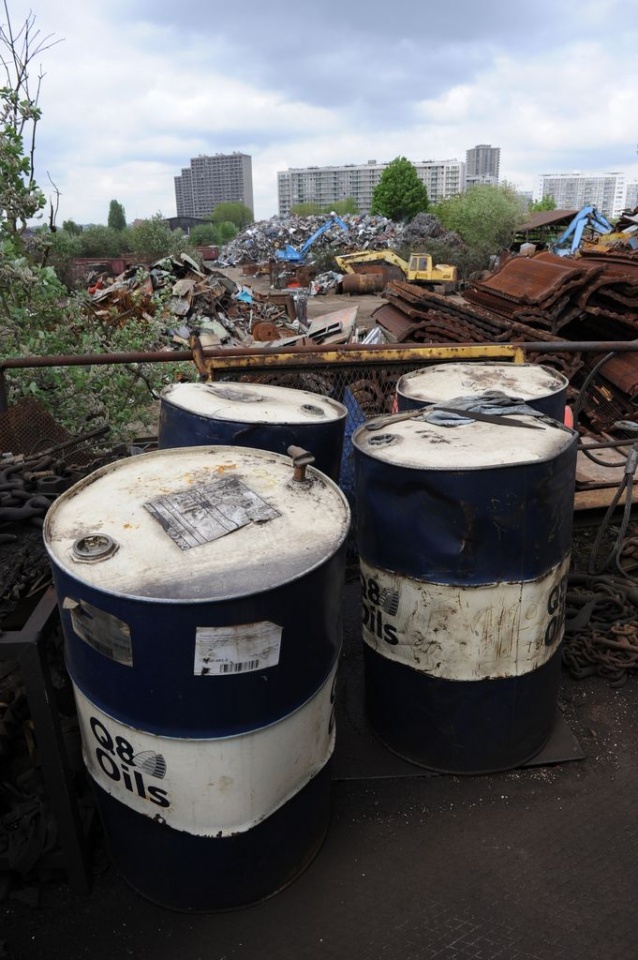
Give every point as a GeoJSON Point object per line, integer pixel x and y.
{"type": "Point", "coordinates": [309, 355]}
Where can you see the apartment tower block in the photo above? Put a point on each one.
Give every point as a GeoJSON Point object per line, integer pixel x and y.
{"type": "Point", "coordinates": [221, 178]}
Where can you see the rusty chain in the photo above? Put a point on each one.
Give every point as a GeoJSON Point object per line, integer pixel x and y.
{"type": "Point", "coordinates": [601, 627]}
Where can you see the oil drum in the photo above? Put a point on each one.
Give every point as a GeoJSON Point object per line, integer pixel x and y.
{"type": "Point", "coordinates": [541, 388]}
{"type": "Point", "coordinates": [358, 283]}
{"type": "Point", "coordinates": [464, 536]}
{"type": "Point", "coordinates": [200, 594]}
{"type": "Point", "coordinates": [261, 415]}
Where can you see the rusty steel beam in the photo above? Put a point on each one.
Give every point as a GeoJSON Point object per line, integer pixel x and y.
{"type": "Point", "coordinates": [355, 354]}
{"type": "Point", "coordinates": [319, 355]}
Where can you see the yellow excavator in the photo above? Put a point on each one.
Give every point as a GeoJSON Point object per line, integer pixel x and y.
{"type": "Point", "coordinates": [418, 269]}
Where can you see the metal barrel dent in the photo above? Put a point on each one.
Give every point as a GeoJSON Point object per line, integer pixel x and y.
{"type": "Point", "coordinates": [542, 388]}
{"type": "Point", "coordinates": [200, 593]}
{"type": "Point", "coordinates": [464, 536]}
{"type": "Point", "coordinates": [258, 415]}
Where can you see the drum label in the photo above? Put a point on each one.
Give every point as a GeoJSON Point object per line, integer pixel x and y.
{"type": "Point", "coordinates": [227, 651]}
{"type": "Point", "coordinates": [209, 787]}
{"type": "Point", "coordinates": [101, 630]}
{"type": "Point", "coordinates": [205, 513]}
{"type": "Point", "coordinates": [464, 632]}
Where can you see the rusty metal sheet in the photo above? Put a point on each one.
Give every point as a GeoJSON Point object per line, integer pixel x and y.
{"type": "Point", "coordinates": [622, 372]}
{"type": "Point", "coordinates": [397, 323]}
{"type": "Point", "coordinates": [530, 280]}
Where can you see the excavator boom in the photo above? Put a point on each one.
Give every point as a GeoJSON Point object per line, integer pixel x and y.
{"type": "Point", "coordinates": [291, 255]}
{"type": "Point", "coordinates": [419, 269]}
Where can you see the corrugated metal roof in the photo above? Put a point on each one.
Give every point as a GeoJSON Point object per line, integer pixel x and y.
{"type": "Point", "coordinates": [547, 218]}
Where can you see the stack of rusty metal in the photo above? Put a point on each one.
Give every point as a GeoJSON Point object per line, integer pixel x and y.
{"type": "Point", "coordinates": [415, 314]}
{"type": "Point", "coordinates": [570, 295]}
{"type": "Point", "coordinates": [544, 291]}
{"type": "Point", "coordinates": [544, 298]}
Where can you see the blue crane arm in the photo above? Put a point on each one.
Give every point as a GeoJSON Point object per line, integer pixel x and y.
{"type": "Point", "coordinates": [322, 229]}
{"type": "Point", "coordinates": [289, 252]}
{"type": "Point", "coordinates": [587, 217]}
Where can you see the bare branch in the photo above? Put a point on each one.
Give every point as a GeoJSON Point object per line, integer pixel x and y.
{"type": "Point", "coordinates": [53, 211]}
{"type": "Point", "coordinates": [21, 47]}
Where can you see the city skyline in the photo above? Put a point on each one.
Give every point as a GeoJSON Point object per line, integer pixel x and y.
{"type": "Point", "coordinates": [132, 91]}
{"type": "Point", "coordinates": [227, 178]}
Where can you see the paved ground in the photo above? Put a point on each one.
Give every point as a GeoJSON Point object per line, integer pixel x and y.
{"type": "Point", "coordinates": [540, 863]}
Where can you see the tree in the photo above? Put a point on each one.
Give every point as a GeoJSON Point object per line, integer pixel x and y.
{"type": "Point", "coordinates": [547, 203]}
{"type": "Point", "coordinates": [217, 233]}
{"type": "Point", "coordinates": [310, 209]}
{"type": "Point", "coordinates": [153, 239]}
{"type": "Point", "coordinates": [204, 233]}
{"type": "Point", "coordinates": [226, 231]}
{"type": "Point", "coordinates": [237, 213]}
{"type": "Point", "coordinates": [117, 217]}
{"type": "Point", "coordinates": [98, 241]}
{"type": "Point", "coordinates": [71, 227]}
{"type": "Point", "coordinates": [20, 196]}
{"type": "Point", "coordinates": [343, 206]}
{"type": "Point", "coordinates": [486, 217]}
{"type": "Point", "coordinates": [38, 316]}
{"type": "Point", "coordinates": [399, 194]}
{"type": "Point", "coordinates": [64, 246]}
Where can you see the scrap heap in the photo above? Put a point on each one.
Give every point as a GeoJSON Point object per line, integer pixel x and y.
{"type": "Point", "coordinates": [192, 299]}
{"type": "Point", "coordinates": [259, 243]}
{"type": "Point", "coordinates": [543, 298]}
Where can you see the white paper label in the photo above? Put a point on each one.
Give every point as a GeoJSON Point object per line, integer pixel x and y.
{"type": "Point", "coordinates": [202, 514]}
{"type": "Point", "coordinates": [227, 651]}
{"type": "Point", "coordinates": [102, 631]}
{"type": "Point", "coordinates": [464, 632]}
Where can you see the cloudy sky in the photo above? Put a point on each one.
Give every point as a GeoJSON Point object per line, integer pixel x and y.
{"type": "Point", "coordinates": [135, 88]}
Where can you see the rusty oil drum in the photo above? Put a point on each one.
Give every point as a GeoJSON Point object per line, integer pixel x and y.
{"type": "Point", "coordinates": [540, 387]}
{"type": "Point", "coordinates": [464, 537]}
{"type": "Point", "coordinates": [359, 283]}
{"type": "Point", "coordinates": [258, 415]}
{"type": "Point", "coordinates": [200, 594]}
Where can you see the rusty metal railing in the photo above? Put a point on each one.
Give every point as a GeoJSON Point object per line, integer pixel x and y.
{"type": "Point", "coordinates": [212, 362]}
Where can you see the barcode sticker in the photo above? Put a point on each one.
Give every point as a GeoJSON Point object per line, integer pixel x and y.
{"type": "Point", "coordinates": [240, 667]}
{"type": "Point", "coordinates": [229, 651]}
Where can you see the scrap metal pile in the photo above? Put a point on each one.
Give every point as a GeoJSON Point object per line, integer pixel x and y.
{"type": "Point", "coordinates": [260, 242]}
{"type": "Point", "coordinates": [193, 298]}
{"type": "Point", "coordinates": [544, 298]}
{"type": "Point", "coordinates": [199, 300]}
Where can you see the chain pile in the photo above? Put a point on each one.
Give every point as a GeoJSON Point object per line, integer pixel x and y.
{"type": "Point", "coordinates": [601, 627]}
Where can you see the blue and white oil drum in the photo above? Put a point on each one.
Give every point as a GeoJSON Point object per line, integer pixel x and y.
{"type": "Point", "coordinates": [464, 537]}
{"type": "Point", "coordinates": [259, 415]}
{"type": "Point", "coordinates": [541, 388]}
{"type": "Point", "coordinates": [200, 592]}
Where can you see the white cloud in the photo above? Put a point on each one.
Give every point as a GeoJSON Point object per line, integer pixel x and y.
{"type": "Point", "coordinates": [134, 91]}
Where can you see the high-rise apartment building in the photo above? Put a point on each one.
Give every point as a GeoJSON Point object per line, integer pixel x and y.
{"type": "Point", "coordinates": [442, 178]}
{"type": "Point", "coordinates": [571, 191]}
{"type": "Point", "coordinates": [482, 164]}
{"type": "Point", "coordinates": [631, 195]}
{"type": "Point", "coordinates": [221, 178]}
{"type": "Point", "coordinates": [327, 185]}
